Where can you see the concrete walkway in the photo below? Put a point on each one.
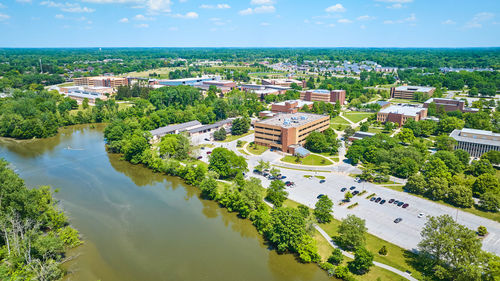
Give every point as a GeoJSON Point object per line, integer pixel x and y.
{"type": "Point", "coordinates": [349, 255]}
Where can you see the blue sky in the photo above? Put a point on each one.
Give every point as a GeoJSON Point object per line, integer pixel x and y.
{"type": "Point", "coordinates": [249, 23]}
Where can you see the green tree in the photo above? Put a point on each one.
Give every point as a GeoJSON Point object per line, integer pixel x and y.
{"type": "Point", "coordinates": [220, 134]}
{"type": "Point", "coordinates": [444, 142]}
{"type": "Point", "coordinates": [336, 257]}
{"type": "Point", "coordinates": [482, 231]}
{"type": "Point", "coordinates": [406, 135]}
{"type": "Point", "coordinates": [483, 166]}
{"type": "Point", "coordinates": [490, 201]}
{"type": "Point", "coordinates": [240, 126]}
{"type": "Point", "coordinates": [134, 147]}
{"type": "Point", "coordinates": [416, 184]}
{"type": "Point", "coordinates": [316, 142]}
{"type": "Point", "coordinates": [362, 262]}
{"type": "Point", "coordinates": [493, 156]}
{"type": "Point", "coordinates": [323, 210]}
{"type": "Point", "coordinates": [226, 163]}
{"type": "Point", "coordinates": [286, 230]}
{"type": "Point", "coordinates": [436, 168]}
{"type": "Point", "coordinates": [448, 124]}
{"type": "Point", "coordinates": [347, 196]}
{"type": "Point", "coordinates": [85, 103]}
{"type": "Point", "coordinates": [383, 251]}
{"type": "Point", "coordinates": [276, 193]}
{"type": "Point", "coordinates": [208, 188]}
{"type": "Point", "coordinates": [351, 233]}
{"type": "Point", "coordinates": [485, 183]}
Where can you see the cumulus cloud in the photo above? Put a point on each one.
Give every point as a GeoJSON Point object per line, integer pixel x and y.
{"type": "Point", "coordinates": [449, 22]}
{"type": "Point", "coordinates": [479, 19]}
{"type": "Point", "coordinates": [337, 8]}
{"type": "Point", "coordinates": [142, 17]}
{"type": "Point", "coordinates": [262, 2]}
{"type": "Point", "coordinates": [4, 17]}
{"type": "Point", "coordinates": [123, 20]}
{"type": "Point", "coordinates": [59, 16]}
{"type": "Point", "coordinates": [23, 1]}
{"type": "Point", "coordinates": [142, 25]}
{"type": "Point", "coordinates": [344, 21]}
{"type": "Point", "coordinates": [411, 19]}
{"type": "Point", "coordinates": [245, 12]}
{"type": "Point", "coordinates": [265, 24]}
{"type": "Point", "coordinates": [173, 28]}
{"type": "Point", "coordinates": [67, 7]}
{"type": "Point", "coordinates": [365, 17]}
{"type": "Point", "coordinates": [257, 10]}
{"type": "Point", "coordinates": [395, 6]}
{"type": "Point", "coordinates": [189, 15]}
{"type": "Point", "coordinates": [218, 6]}
{"type": "Point", "coordinates": [395, 1]}
{"type": "Point", "coordinates": [153, 6]}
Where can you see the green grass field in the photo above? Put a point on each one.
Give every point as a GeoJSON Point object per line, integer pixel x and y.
{"type": "Point", "coordinates": [256, 149]}
{"type": "Point", "coordinates": [312, 160]}
{"type": "Point", "coordinates": [339, 120]}
{"type": "Point", "coordinates": [355, 116]}
{"type": "Point", "coordinates": [233, 138]}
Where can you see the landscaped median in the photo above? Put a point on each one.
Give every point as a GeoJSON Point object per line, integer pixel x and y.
{"type": "Point", "coordinates": [310, 160]}
{"type": "Point", "coordinates": [256, 149]}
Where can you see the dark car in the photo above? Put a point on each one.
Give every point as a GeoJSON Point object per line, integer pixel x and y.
{"type": "Point", "coordinates": [396, 202]}
{"type": "Point", "coordinates": [355, 192]}
{"type": "Point", "coordinates": [343, 189]}
{"type": "Point", "coordinates": [199, 157]}
{"type": "Point", "coordinates": [382, 202]}
{"type": "Point", "coordinates": [398, 220]}
{"type": "Point", "coordinates": [209, 152]}
{"type": "Point", "coordinates": [322, 181]}
{"type": "Point", "coordinates": [271, 177]}
{"type": "Point", "coordinates": [207, 139]}
{"type": "Point", "coordinates": [372, 199]}
{"type": "Point", "coordinates": [405, 205]}
{"type": "Point", "coordinates": [352, 187]}
{"type": "Point", "coordinates": [283, 177]}
{"type": "Point", "coordinates": [319, 196]}
{"type": "Point", "coordinates": [400, 204]}
{"type": "Point", "coordinates": [378, 199]}
{"type": "Point", "coordinates": [391, 201]}
{"type": "Point", "coordinates": [202, 147]}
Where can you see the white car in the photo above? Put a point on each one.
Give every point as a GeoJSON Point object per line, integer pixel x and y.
{"type": "Point", "coordinates": [420, 215]}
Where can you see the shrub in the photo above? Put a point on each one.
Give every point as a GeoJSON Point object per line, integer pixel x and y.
{"type": "Point", "coordinates": [482, 231]}
{"type": "Point", "coordinates": [336, 257]}
{"type": "Point", "coordinates": [383, 251]}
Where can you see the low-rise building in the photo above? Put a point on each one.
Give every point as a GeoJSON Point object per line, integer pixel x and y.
{"type": "Point", "coordinates": [383, 104]}
{"type": "Point", "coordinates": [101, 81]}
{"type": "Point", "coordinates": [284, 82]}
{"type": "Point", "coordinates": [449, 105]}
{"type": "Point", "coordinates": [408, 92]}
{"type": "Point", "coordinates": [290, 106]}
{"type": "Point", "coordinates": [400, 113]}
{"type": "Point", "coordinates": [334, 96]}
{"type": "Point", "coordinates": [286, 131]}
{"type": "Point", "coordinates": [224, 86]}
{"type": "Point", "coordinates": [476, 142]}
{"type": "Point", "coordinates": [358, 135]}
{"type": "Point", "coordinates": [185, 81]}
{"type": "Point", "coordinates": [174, 129]}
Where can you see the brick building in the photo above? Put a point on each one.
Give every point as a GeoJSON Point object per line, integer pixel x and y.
{"type": "Point", "coordinates": [287, 132]}
{"type": "Point", "coordinates": [100, 81]}
{"type": "Point", "coordinates": [449, 105]}
{"type": "Point", "coordinates": [333, 96]}
{"type": "Point", "coordinates": [284, 82]}
{"type": "Point", "coordinates": [407, 92]}
{"type": "Point", "coordinates": [400, 113]}
{"type": "Point", "coordinates": [290, 106]}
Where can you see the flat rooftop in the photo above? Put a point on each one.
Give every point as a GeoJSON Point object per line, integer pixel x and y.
{"type": "Point", "coordinates": [291, 120]}
{"type": "Point", "coordinates": [414, 89]}
{"type": "Point", "coordinates": [476, 136]}
{"type": "Point", "coordinates": [407, 110]}
{"type": "Point", "coordinates": [319, 91]}
{"type": "Point", "coordinates": [300, 103]}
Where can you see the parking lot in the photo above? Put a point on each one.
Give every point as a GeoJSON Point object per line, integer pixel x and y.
{"type": "Point", "coordinates": [379, 218]}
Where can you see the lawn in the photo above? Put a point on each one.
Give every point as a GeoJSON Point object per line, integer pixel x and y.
{"type": "Point", "coordinates": [311, 159]}
{"type": "Point", "coordinates": [338, 127]}
{"type": "Point", "coordinates": [339, 120]}
{"type": "Point", "coordinates": [233, 138]}
{"type": "Point", "coordinates": [356, 116]}
{"type": "Point", "coordinates": [243, 151]}
{"type": "Point", "coordinates": [256, 149]}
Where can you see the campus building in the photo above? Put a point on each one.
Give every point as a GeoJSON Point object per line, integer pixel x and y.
{"type": "Point", "coordinates": [224, 86]}
{"type": "Point", "coordinates": [287, 132]}
{"type": "Point", "coordinates": [191, 128]}
{"type": "Point", "coordinates": [400, 113]}
{"type": "Point", "coordinates": [407, 92]}
{"type": "Point", "coordinates": [476, 142]}
{"type": "Point", "coordinates": [284, 82]}
{"type": "Point", "coordinates": [80, 93]}
{"type": "Point", "coordinates": [333, 96]}
{"type": "Point", "coordinates": [185, 81]}
{"type": "Point", "coordinates": [290, 106]}
{"type": "Point", "coordinates": [449, 105]}
{"type": "Point", "coordinates": [100, 81]}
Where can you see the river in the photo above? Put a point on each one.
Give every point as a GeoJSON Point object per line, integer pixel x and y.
{"type": "Point", "coordinates": [138, 225]}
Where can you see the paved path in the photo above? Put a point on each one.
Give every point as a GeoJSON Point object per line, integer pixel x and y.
{"type": "Point", "coordinates": [349, 255]}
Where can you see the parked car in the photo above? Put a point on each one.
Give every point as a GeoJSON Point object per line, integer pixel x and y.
{"type": "Point", "coordinates": [355, 192]}
{"type": "Point", "coordinates": [209, 152]}
{"type": "Point", "coordinates": [398, 220]}
{"type": "Point", "coordinates": [202, 148]}
{"type": "Point", "coordinates": [352, 188]}
{"type": "Point", "coordinates": [400, 204]}
{"type": "Point", "coordinates": [396, 202]}
{"type": "Point", "coordinates": [283, 177]}
{"type": "Point", "coordinates": [319, 196]}
{"type": "Point", "coordinates": [378, 199]}
{"type": "Point", "coordinates": [420, 215]}
{"type": "Point", "coordinates": [372, 199]}
{"type": "Point", "coordinates": [271, 177]}
{"type": "Point", "coordinates": [199, 157]}
{"type": "Point", "coordinates": [382, 202]}
{"type": "Point", "coordinates": [405, 205]}
{"type": "Point", "coordinates": [322, 181]}
{"type": "Point", "coordinates": [343, 189]}
{"type": "Point", "coordinates": [207, 139]}
{"type": "Point", "coordinates": [391, 201]}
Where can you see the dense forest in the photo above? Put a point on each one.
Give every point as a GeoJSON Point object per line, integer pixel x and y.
{"type": "Point", "coordinates": [34, 233]}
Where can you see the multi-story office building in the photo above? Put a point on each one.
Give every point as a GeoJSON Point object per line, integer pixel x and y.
{"type": "Point", "coordinates": [284, 82]}
{"type": "Point", "coordinates": [476, 142]}
{"type": "Point", "coordinates": [224, 86]}
{"type": "Point", "coordinates": [324, 95]}
{"type": "Point", "coordinates": [290, 106]}
{"type": "Point", "coordinates": [400, 113]}
{"type": "Point", "coordinates": [449, 105]}
{"type": "Point", "coordinates": [287, 132]}
{"type": "Point", "coordinates": [408, 92]}
{"type": "Point", "coordinates": [100, 81]}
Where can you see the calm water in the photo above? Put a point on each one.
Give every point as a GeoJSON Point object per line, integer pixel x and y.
{"type": "Point", "coordinates": [138, 225]}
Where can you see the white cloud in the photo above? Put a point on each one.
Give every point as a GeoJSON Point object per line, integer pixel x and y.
{"type": "Point", "coordinates": [479, 19]}
{"type": "Point", "coordinates": [142, 25]}
{"type": "Point", "coordinates": [362, 26]}
{"type": "Point", "coordinates": [395, 6]}
{"type": "Point", "coordinates": [23, 1]}
{"type": "Point", "coordinates": [265, 24]}
{"type": "Point", "coordinates": [411, 19]}
{"type": "Point", "coordinates": [388, 22]}
{"type": "Point", "coordinates": [365, 17]}
{"type": "Point", "coordinates": [395, 1]}
{"type": "Point", "coordinates": [4, 17]}
{"type": "Point", "coordinates": [344, 21]}
{"type": "Point", "coordinates": [59, 16]}
{"type": "Point", "coordinates": [262, 2]}
{"type": "Point", "coordinates": [306, 21]}
{"type": "Point", "coordinates": [189, 15]}
{"type": "Point", "coordinates": [153, 6]}
{"type": "Point", "coordinates": [67, 7]}
{"type": "Point", "coordinates": [218, 6]}
{"type": "Point", "coordinates": [258, 10]}
{"type": "Point", "coordinates": [214, 19]}
{"type": "Point", "coordinates": [449, 22]}
{"type": "Point", "coordinates": [319, 23]}
{"type": "Point", "coordinates": [123, 20]}
{"type": "Point", "coordinates": [142, 17]}
{"type": "Point", "coordinates": [337, 8]}
{"type": "Point", "coordinates": [331, 25]}
{"type": "Point", "coordinates": [173, 28]}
